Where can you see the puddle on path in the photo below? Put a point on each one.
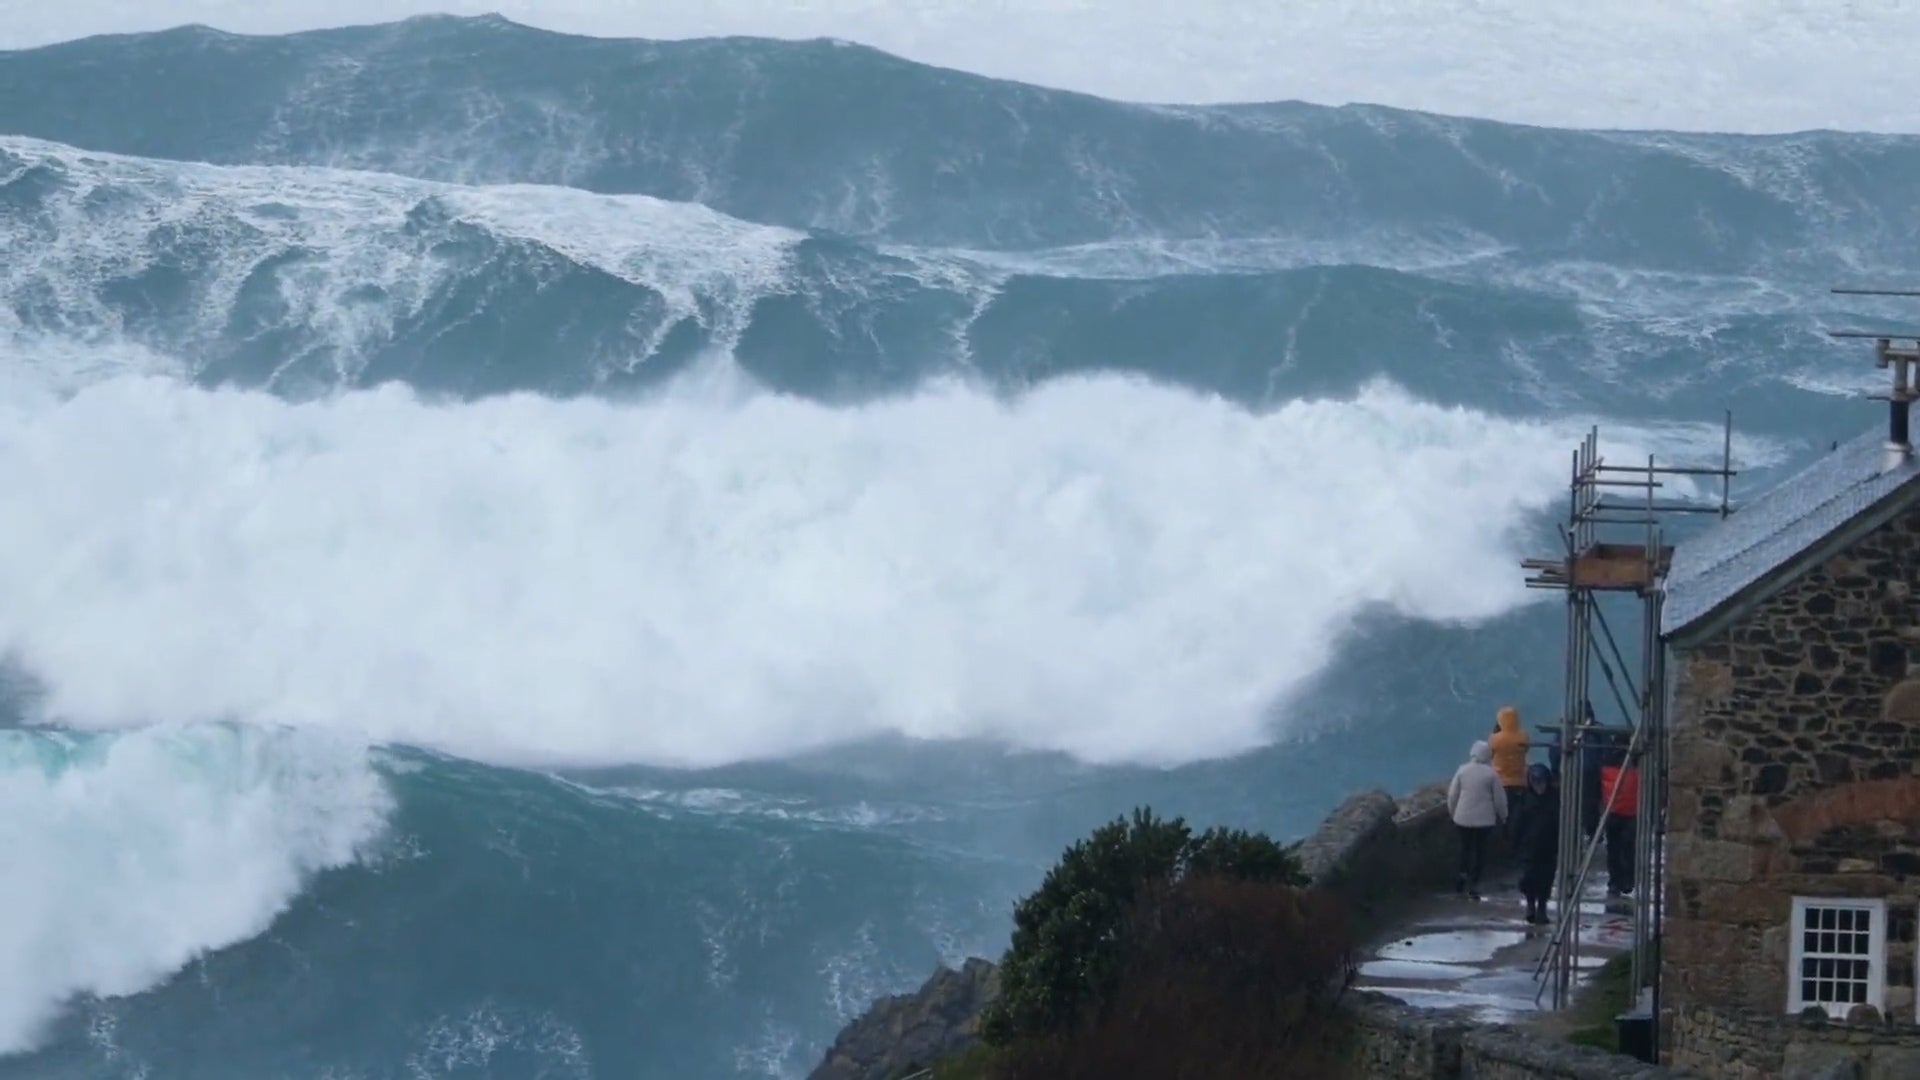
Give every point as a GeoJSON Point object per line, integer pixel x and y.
{"type": "Point", "coordinates": [1453, 946]}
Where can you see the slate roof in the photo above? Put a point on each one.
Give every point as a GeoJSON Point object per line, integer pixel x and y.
{"type": "Point", "coordinates": [1716, 566]}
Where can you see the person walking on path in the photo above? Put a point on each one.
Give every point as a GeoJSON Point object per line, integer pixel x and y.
{"type": "Point", "coordinates": [1536, 833]}
{"type": "Point", "coordinates": [1478, 805]}
{"type": "Point", "coordinates": [1509, 744]}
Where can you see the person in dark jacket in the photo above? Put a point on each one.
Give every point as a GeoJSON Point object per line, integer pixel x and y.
{"type": "Point", "coordinates": [1537, 840]}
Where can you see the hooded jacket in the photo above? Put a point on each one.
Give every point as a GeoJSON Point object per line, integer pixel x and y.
{"type": "Point", "coordinates": [1536, 832]}
{"type": "Point", "coordinates": [1536, 821]}
{"type": "Point", "coordinates": [1475, 798]}
{"type": "Point", "coordinates": [1509, 745]}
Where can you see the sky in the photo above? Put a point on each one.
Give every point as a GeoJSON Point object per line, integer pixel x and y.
{"type": "Point", "coordinates": [1715, 65]}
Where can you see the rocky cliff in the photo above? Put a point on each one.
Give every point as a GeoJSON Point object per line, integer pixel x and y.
{"type": "Point", "coordinates": [906, 1032]}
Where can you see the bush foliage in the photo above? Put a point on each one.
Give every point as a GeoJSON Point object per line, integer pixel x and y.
{"type": "Point", "coordinates": [1223, 978]}
{"type": "Point", "coordinates": [1076, 935]}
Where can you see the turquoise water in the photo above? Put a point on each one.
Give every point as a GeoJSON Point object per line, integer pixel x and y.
{"type": "Point", "coordinates": [539, 556]}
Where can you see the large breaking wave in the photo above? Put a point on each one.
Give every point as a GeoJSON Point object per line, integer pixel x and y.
{"type": "Point", "coordinates": [1103, 567]}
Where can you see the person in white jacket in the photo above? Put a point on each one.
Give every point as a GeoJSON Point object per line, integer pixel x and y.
{"type": "Point", "coordinates": [1478, 805]}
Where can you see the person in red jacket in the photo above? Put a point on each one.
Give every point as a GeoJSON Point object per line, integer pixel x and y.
{"type": "Point", "coordinates": [1620, 805]}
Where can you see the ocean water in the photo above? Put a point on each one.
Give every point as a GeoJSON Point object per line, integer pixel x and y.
{"type": "Point", "coordinates": [530, 556]}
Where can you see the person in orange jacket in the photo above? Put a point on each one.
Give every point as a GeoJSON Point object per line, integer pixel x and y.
{"type": "Point", "coordinates": [1509, 745]}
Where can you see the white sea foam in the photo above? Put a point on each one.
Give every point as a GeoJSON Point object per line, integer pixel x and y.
{"type": "Point", "coordinates": [343, 259]}
{"type": "Point", "coordinates": [1106, 567]}
{"type": "Point", "coordinates": [1433, 250]}
{"type": "Point", "coordinates": [127, 855]}
{"type": "Point", "coordinates": [729, 802]}
{"type": "Point", "coordinates": [1855, 382]}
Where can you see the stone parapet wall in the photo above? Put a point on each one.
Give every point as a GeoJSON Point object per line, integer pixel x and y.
{"type": "Point", "coordinates": [1504, 1053]}
{"type": "Point", "coordinates": [1376, 847]}
{"type": "Point", "coordinates": [1740, 1045]}
{"type": "Point", "coordinates": [1394, 1041]}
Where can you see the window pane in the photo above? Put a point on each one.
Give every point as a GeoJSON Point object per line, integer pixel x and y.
{"type": "Point", "coordinates": [1835, 961]}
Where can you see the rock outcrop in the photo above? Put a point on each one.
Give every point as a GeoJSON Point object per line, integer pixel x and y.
{"type": "Point", "coordinates": [907, 1032]}
{"type": "Point", "coordinates": [1362, 824]}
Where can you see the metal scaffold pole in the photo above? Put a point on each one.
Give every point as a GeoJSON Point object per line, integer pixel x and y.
{"type": "Point", "coordinates": [1612, 545]}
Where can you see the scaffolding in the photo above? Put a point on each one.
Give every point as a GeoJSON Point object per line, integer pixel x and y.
{"type": "Point", "coordinates": [1610, 545]}
{"type": "Point", "coordinates": [1614, 545]}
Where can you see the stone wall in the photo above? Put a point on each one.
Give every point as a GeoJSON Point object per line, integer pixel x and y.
{"type": "Point", "coordinates": [1505, 1053]}
{"type": "Point", "coordinates": [1394, 1040]}
{"type": "Point", "coordinates": [1378, 849]}
{"type": "Point", "coordinates": [1795, 771]}
{"type": "Point", "coordinates": [1762, 1046]}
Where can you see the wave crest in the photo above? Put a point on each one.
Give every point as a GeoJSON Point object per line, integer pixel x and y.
{"type": "Point", "coordinates": [127, 855]}
{"type": "Point", "coordinates": [1101, 566]}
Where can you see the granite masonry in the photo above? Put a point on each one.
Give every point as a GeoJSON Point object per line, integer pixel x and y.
{"type": "Point", "coordinates": [1729, 1045]}
{"type": "Point", "coordinates": [1396, 1040]}
{"type": "Point", "coordinates": [1795, 773]}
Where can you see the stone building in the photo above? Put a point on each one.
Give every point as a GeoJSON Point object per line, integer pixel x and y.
{"type": "Point", "coordinates": [1793, 799]}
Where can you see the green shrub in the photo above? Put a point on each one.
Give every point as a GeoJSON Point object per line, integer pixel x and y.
{"type": "Point", "coordinates": [1222, 979]}
{"type": "Point", "coordinates": [1070, 939]}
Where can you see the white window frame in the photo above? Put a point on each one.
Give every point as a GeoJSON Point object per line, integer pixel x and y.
{"type": "Point", "coordinates": [1876, 993]}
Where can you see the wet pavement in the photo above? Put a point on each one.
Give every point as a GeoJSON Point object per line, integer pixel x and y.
{"type": "Point", "coordinates": [1452, 952]}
